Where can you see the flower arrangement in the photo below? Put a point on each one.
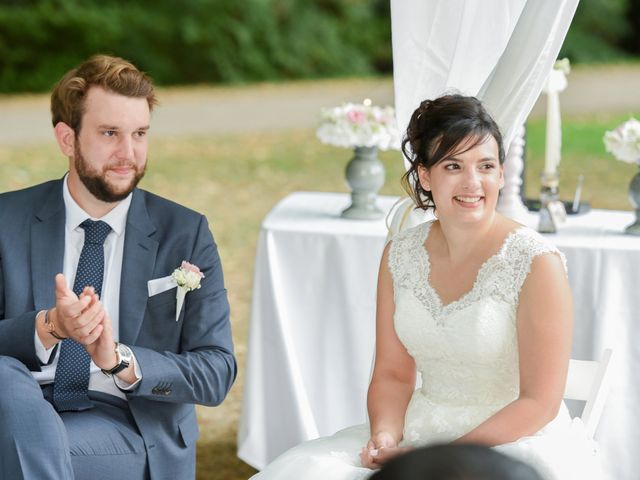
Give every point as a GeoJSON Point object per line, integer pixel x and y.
{"type": "Point", "coordinates": [187, 277]}
{"type": "Point", "coordinates": [557, 80]}
{"type": "Point", "coordinates": [359, 125]}
{"type": "Point", "coordinates": [624, 141]}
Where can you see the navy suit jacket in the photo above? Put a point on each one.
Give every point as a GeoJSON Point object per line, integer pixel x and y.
{"type": "Point", "coordinates": [182, 363]}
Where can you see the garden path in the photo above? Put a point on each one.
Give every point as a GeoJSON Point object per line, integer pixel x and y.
{"type": "Point", "coordinates": [219, 110]}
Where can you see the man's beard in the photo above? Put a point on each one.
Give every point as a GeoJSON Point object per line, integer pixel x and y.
{"type": "Point", "coordinates": [97, 183]}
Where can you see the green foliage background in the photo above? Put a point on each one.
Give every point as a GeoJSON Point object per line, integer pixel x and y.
{"type": "Point", "coordinates": [194, 41]}
{"type": "Point", "coordinates": [224, 41]}
{"type": "Point", "coordinates": [601, 31]}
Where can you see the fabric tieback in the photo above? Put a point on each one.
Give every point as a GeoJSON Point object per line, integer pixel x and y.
{"type": "Point", "coordinates": [71, 383]}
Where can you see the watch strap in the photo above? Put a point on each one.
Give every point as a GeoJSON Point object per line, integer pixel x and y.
{"type": "Point", "coordinates": [121, 365]}
{"type": "Point", "coordinates": [118, 368]}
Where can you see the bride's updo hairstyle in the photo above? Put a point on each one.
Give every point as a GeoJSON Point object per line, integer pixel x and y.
{"type": "Point", "coordinates": [442, 128]}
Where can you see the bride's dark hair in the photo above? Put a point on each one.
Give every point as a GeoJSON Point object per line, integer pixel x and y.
{"type": "Point", "coordinates": [440, 128]}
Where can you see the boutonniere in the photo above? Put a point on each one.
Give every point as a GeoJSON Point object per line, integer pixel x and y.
{"type": "Point", "coordinates": [187, 278]}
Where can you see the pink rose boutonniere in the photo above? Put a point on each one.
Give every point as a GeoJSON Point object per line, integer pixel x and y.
{"type": "Point", "coordinates": [187, 278]}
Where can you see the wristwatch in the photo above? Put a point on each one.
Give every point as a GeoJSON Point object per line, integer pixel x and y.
{"type": "Point", "coordinates": [124, 357]}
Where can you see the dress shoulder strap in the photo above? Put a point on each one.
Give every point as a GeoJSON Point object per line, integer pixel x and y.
{"type": "Point", "coordinates": [404, 254]}
{"type": "Point", "coordinates": [522, 247]}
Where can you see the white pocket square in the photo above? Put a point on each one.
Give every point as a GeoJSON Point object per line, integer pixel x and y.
{"type": "Point", "coordinates": [159, 285]}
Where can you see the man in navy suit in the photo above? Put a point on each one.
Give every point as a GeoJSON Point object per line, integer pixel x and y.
{"type": "Point", "coordinates": [99, 380]}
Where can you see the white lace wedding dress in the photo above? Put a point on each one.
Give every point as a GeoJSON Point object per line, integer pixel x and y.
{"type": "Point", "coordinates": [467, 354]}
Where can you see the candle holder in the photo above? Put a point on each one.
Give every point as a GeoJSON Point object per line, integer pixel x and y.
{"type": "Point", "coordinates": [552, 211]}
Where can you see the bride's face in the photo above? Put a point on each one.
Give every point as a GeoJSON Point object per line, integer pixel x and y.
{"type": "Point", "coordinates": [465, 185]}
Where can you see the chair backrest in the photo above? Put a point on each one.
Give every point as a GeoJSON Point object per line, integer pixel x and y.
{"type": "Point", "coordinates": [588, 381]}
{"type": "Point", "coordinates": [403, 215]}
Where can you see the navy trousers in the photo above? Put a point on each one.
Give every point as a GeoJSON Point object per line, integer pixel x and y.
{"type": "Point", "coordinates": [38, 442]}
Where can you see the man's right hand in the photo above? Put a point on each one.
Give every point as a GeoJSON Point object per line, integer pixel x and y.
{"type": "Point", "coordinates": [74, 317]}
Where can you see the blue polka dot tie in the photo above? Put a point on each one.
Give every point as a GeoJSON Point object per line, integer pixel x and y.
{"type": "Point", "coordinates": [71, 383]}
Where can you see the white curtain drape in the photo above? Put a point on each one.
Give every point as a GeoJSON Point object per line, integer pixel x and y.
{"type": "Point", "coordinates": [500, 51]}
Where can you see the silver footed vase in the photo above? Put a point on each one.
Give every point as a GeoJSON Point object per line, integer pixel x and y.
{"type": "Point", "coordinates": [634, 198]}
{"type": "Point", "coordinates": [365, 175]}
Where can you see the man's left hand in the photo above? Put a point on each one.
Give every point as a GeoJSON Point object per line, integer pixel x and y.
{"type": "Point", "coordinates": [102, 351]}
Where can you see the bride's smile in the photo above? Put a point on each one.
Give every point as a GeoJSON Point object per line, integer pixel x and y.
{"type": "Point", "coordinates": [465, 184]}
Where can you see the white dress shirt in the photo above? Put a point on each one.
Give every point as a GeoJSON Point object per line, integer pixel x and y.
{"type": "Point", "coordinates": [113, 252]}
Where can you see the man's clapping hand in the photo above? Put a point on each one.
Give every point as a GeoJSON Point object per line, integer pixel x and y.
{"type": "Point", "coordinates": [85, 320]}
{"type": "Point", "coordinates": [102, 350]}
{"type": "Point", "coordinates": [77, 318]}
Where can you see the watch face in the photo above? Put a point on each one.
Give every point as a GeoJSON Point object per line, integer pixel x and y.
{"type": "Point", "coordinates": [125, 352]}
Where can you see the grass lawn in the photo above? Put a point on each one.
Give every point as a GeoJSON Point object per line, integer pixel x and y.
{"type": "Point", "coordinates": [236, 180]}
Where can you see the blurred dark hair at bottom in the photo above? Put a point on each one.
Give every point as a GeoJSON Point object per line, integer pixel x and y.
{"type": "Point", "coordinates": [455, 462]}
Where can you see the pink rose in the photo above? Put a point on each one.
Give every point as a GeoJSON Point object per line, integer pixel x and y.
{"type": "Point", "coordinates": [191, 268]}
{"type": "Point", "coordinates": [355, 116]}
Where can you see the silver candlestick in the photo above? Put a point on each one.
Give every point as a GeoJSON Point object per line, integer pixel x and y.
{"type": "Point", "coordinates": [552, 211]}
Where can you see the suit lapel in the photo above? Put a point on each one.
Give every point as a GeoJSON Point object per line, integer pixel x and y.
{"type": "Point", "coordinates": [138, 263]}
{"type": "Point", "coordinates": [47, 248]}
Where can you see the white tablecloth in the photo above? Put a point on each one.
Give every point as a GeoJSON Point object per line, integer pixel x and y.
{"type": "Point", "coordinates": [604, 273]}
{"type": "Point", "coordinates": [313, 323]}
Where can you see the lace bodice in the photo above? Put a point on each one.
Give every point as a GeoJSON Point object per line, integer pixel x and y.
{"type": "Point", "coordinates": [466, 351]}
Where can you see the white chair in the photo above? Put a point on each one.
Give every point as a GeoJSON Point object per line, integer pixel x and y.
{"type": "Point", "coordinates": [404, 215]}
{"type": "Point", "coordinates": [588, 381]}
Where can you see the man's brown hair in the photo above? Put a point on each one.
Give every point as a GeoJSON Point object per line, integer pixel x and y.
{"type": "Point", "coordinates": [113, 74]}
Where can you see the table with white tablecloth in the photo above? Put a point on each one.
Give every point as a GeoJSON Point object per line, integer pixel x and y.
{"type": "Point", "coordinates": [311, 336]}
{"type": "Point", "coordinates": [312, 323]}
{"type": "Point", "coordinates": [604, 274]}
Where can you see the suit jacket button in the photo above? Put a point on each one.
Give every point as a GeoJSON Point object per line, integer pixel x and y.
{"type": "Point", "coordinates": [167, 391]}
{"type": "Point", "coordinates": [155, 390]}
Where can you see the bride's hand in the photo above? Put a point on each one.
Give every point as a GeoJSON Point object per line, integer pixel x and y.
{"type": "Point", "coordinates": [386, 454]}
{"type": "Point", "coordinates": [378, 450]}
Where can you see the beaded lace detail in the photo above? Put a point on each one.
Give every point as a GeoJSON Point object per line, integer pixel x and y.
{"type": "Point", "coordinates": [466, 351]}
{"type": "Point", "coordinates": [501, 275]}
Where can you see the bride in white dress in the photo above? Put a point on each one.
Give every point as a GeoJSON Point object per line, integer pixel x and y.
{"type": "Point", "coordinates": [476, 303]}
